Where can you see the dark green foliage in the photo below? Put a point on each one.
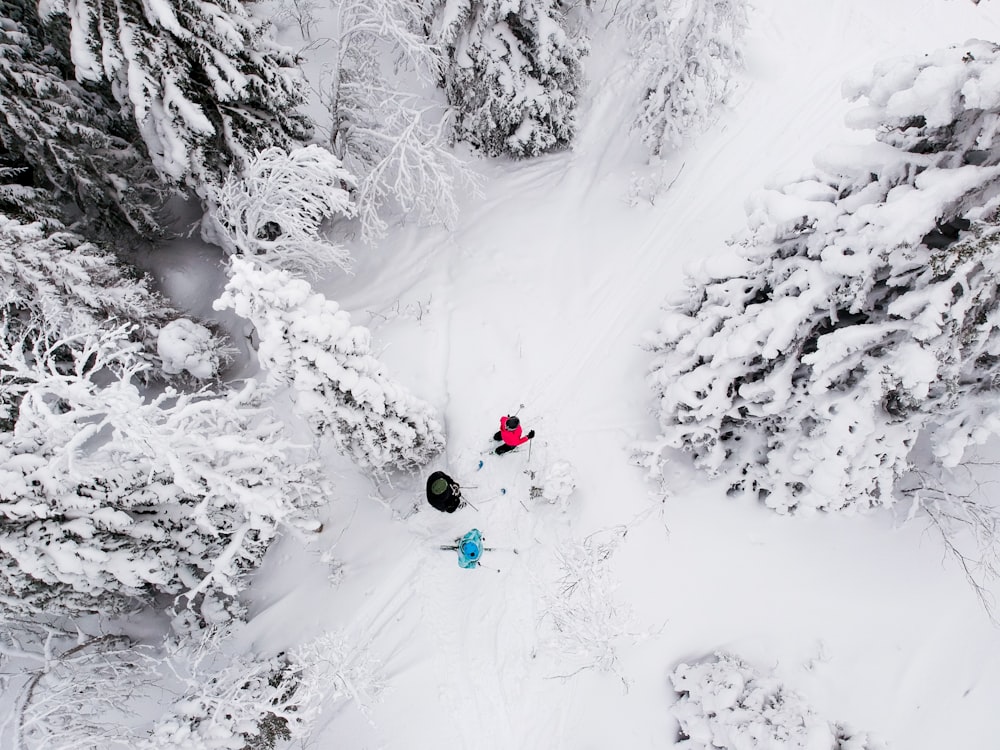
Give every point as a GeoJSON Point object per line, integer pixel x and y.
{"type": "Point", "coordinates": [205, 85]}
{"type": "Point", "coordinates": [64, 151]}
{"type": "Point", "coordinates": [513, 75]}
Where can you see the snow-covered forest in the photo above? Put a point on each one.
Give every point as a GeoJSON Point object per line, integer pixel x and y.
{"type": "Point", "coordinates": [267, 267]}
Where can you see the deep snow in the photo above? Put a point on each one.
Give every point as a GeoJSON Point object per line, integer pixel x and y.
{"type": "Point", "coordinates": [540, 296]}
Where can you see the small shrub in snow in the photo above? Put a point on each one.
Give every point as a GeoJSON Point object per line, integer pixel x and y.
{"type": "Point", "coordinates": [512, 72]}
{"type": "Point", "coordinates": [557, 484]}
{"type": "Point", "coordinates": [332, 669]}
{"type": "Point", "coordinates": [726, 704]}
{"type": "Point", "coordinates": [309, 342]}
{"type": "Point", "coordinates": [862, 310]}
{"type": "Point", "coordinates": [585, 621]}
{"type": "Point", "coordinates": [207, 86]}
{"type": "Point", "coordinates": [334, 567]}
{"type": "Point", "coordinates": [275, 208]}
{"type": "Point", "coordinates": [686, 52]}
{"type": "Point", "coordinates": [186, 346]}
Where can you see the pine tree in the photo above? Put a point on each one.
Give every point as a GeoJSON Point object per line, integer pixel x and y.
{"type": "Point", "coordinates": [64, 151]}
{"type": "Point", "coordinates": [309, 342]}
{"type": "Point", "coordinates": [204, 82]}
{"type": "Point", "coordinates": [55, 283]}
{"type": "Point", "coordinates": [513, 73]}
{"type": "Point", "coordinates": [685, 52]}
{"type": "Point", "coordinates": [110, 497]}
{"type": "Point", "coordinates": [861, 313]}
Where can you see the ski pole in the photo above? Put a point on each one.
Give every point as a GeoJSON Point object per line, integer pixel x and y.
{"type": "Point", "coordinates": [503, 491]}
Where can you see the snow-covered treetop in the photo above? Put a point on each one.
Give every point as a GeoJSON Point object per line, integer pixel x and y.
{"type": "Point", "coordinates": [66, 137]}
{"type": "Point", "coordinates": [307, 341]}
{"type": "Point", "coordinates": [202, 79]}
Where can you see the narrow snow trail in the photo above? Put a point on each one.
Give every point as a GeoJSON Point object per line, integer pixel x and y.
{"type": "Point", "coordinates": [540, 297]}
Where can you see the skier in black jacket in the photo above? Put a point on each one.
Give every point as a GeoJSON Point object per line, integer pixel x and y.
{"type": "Point", "coordinates": [443, 492]}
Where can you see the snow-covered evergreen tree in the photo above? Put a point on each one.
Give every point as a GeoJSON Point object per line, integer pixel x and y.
{"type": "Point", "coordinates": [276, 208]}
{"type": "Point", "coordinates": [307, 341]}
{"type": "Point", "coordinates": [685, 51]}
{"type": "Point", "coordinates": [392, 141]}
{"type": "Point", "coordinates": [99, 692]}
{"type": "Point", "coordinates": [245, 702]}
{"type": "Point", "coordinates": [55, 282]}
{"type": "Point", "coordinates": [512, 72]}
{"type": "Point", "coordinates": [203, 80]}
{"type": "Point", "coordinates": [62, 143]}
{"type": "Point", "coordinates": [726, 704]}
{"type": "Point", "coordinates": [110, 496]}
{"type": "Point", "coordinates": [862, 311]}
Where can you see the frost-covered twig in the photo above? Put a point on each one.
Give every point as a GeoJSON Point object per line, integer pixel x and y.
{"type": "Point", "coordinates": [969, 527]}
{"type": "Point", "coordinates": [586, 623]}
{"type": "Point", "coordinates": [395, 144]}
{"type": "Point", "coordinates": [276, 209]}
{"type": "Point", "coordinates": [79, 698]}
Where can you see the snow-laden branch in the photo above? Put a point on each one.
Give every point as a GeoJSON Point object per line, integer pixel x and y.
{"type": "Point", "coordinates": [396, 145]}
{"type": "Point", "coordinates": [110, 495]}
{"type": "Point", "coordinates": [862, 311]}
{"type": "Point", "coordinates": [277, 208]}
{"type": "Point", "coordinates": [686, 54]}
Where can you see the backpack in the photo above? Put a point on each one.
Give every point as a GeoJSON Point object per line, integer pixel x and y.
{"type": "Point", "coordinates": [470, 549]}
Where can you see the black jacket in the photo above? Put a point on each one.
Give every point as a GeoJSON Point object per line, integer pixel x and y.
{"type": "Point", "coordinates": [445, 496]}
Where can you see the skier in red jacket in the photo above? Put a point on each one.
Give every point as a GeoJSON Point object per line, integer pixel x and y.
{"type": "Point", "coordinates": [510, 434]}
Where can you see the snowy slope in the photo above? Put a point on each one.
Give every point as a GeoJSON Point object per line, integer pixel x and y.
{"type": "Point", "coordinates": [540, 297]}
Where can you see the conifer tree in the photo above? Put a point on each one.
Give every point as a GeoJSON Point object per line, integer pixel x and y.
{"type": "Point", "coordinates": [110, 498]}
{"type": "Point", "coordinates": [861, 313]}
{"type": "Point", "coordinates": [54, 283]}
{"type": "Point", "coordinates": [309, 342]}
{"type": "Point", "coordinates": [203, 81]}
{"type": "Point", "coordinates": [512, 72]}
{"type": "Point", "coordinates": [64, 150]}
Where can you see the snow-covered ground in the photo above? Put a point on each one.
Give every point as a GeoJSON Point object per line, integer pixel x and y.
{"type": "Point", "coordinates": [540, 297]}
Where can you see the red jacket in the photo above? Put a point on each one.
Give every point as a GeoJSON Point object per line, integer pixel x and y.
{"type": "Point", "coordinates": [511, 437]}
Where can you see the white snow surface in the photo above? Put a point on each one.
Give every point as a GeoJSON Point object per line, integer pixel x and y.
{"type": "Point", "coordinates": [540, 296]}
